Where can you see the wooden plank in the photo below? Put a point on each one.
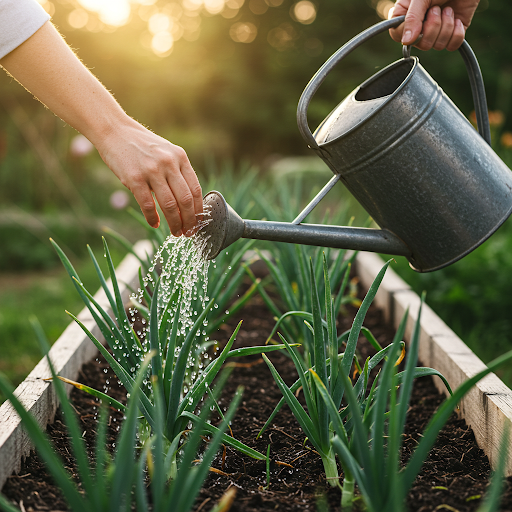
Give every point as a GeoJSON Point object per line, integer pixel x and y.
{"type": "Point", "coordinates": [487, 408]}
{"type": "Point", "coordinates": [68, 354]}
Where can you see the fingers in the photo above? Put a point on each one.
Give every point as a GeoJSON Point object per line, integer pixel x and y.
{"type": "Point", "coordinates": [457, 37]}
{"type": "Point", "coordinates": [446, 31]}
{"type": "Point", "coordinates": [413, 23]}
{"type": "Point", "coordinates": [195, 189]}
{"type": "Point", "coordinates": [441, 28]}
{"type": "Point", "coordinates": [431, 28]}
{"type": "Point", "coordinates": [147, 205]}
{"type": "Point", "coordinates": [179, 194]}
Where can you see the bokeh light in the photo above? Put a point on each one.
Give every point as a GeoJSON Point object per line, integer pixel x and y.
{"type": "Point", "coordinates": [304, 12]}
{"type": "Point", "coordinates": [214, 6]}
{"type": "Point", "coordinates": [78, 18]}
{"type": "Point", "coordinates": [159, 22]}
{"type": "Point", "coordinates": [383, 7]}
{"type": "Point", "coordinates": [243, 32]}
{"type": "Point", "coordinates": [282, 37]}
{"type": "Point", "coordinates": [162, 43]}
{"type": "Point", "coordinates": [115, 13]}
{"type": "Point", "coordinates": [258, 6]}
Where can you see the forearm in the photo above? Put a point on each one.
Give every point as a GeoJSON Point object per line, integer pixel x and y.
{"type": "Point", "coordinates": [150, 166]}
{"type": "Point", "coordinates": [46, 66]}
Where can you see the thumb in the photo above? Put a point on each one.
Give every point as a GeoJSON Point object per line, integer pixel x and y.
{"type": "Point", "coordinates": [414, 20]}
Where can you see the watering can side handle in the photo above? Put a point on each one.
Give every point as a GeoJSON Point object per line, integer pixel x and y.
{"type": "Point", "coordinates": [321, 74]}
{"type": "Point", "coordinates": [478, 90]}
{"type": "Point", "coordinates": [470, 60]}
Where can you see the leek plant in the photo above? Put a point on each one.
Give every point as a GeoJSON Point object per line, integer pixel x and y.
{"type": "Point", "coordinates": [370, 451]}
{"type": "Point", "coordinates": [115, 482]}
{"type": "Point", "coordinates": [316, 421]}
{"type": "Point", "coordinates": [172, 354]}
{"type": "Point", "coordinates": [288, 266]}
{"type": "Point", "coordinates": [329, 370]}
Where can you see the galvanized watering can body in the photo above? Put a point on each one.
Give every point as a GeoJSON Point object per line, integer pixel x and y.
{"type": "Point", "coordinates": [413, 161]}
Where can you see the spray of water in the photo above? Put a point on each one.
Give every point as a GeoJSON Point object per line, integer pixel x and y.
{"type": "Point", "coordinates": [182, 269]}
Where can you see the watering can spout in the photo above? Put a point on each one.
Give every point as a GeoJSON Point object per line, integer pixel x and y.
{"type": "Point", "coordinates": [224, 226]}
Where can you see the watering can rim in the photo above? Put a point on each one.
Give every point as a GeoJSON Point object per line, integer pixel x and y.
{"type": "Point", "coordinates": [352, 98]}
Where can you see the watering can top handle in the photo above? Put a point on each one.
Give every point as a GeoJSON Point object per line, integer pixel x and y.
{"type": "Point", "coordinates": [472, 67]}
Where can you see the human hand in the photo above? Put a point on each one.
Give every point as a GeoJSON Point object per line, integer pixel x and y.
{"type": "Point", "coordinates": [445, 24]}
{"type": "Point", "coordinates": [146, 163]}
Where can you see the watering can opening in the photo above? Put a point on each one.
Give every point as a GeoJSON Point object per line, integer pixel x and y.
{"type": "Point", "coordinates": [365, 101]}
{"type": "Point", "coordinates": [388, 81]}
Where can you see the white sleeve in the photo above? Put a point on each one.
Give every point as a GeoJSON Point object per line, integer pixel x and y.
{"type": "Point", "coordinates": [19, 19]}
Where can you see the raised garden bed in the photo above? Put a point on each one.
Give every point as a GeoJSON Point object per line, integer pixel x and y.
{"type": "Point", "coordinates": [69, 353]}
{"type": "Point", "coordinates": [296, 488]}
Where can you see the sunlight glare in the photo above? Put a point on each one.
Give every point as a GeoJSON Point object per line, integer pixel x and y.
{"type": "Point", "coordinates": [114, 12]}
{"type": "Point", "coordinates": [159, 22]}
{"type": "Point", "coordinates": [162, 43]}
{"type": "Point", "coordinates": [214, 6]}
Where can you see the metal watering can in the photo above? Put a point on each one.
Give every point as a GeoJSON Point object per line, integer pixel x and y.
{"type": "Point", "coordinates": [408, 155]}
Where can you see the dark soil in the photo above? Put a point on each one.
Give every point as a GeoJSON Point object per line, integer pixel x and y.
{"type": "Point", "coordinates": [455, 476]}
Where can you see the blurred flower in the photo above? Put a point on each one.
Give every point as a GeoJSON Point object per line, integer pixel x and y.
{"type": "Point", "coordinates": [506, 140]}
{"type": "Point", "coordinates": [119, 199]}
{"type": "Point", "coordinates": [80, 146]}
{"type": "Point", "coordinates": [496, 118]}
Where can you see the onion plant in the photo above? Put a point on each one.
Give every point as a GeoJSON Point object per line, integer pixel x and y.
{"type": "Point", "coordinates": [370, 451]}
{"type": "Point", "coordinates": [288, 266]}
{"type": "Point", "coordinates": [172, 353]}
{"type": "Point", "coordinates": [316, 421]}
{"type": "Point", "coordinates": [115, 482]}
{"type": "Point", "coordinates": [329, 370]}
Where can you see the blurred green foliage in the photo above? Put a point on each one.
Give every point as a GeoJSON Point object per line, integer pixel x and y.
{"type": "Point", "coordinates": [46, 294]}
